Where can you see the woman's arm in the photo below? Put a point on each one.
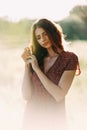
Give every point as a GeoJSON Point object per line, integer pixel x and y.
{"type": "Point", "coordinates": [27, 86]}
{"type": "Point", "coordinates": [57, 91]}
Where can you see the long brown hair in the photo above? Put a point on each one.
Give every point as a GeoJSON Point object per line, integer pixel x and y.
{"type": "Point", "coordinates": [54, 33]}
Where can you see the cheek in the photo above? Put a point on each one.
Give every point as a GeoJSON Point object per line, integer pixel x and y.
{"type": "Point", "coordinates": [39, 42]}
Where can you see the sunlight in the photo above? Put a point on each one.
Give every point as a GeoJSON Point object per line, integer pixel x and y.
{"type": "Point", "coordinates": [12, 105]}
{"type": "Point", "coordinates": [17, 9]}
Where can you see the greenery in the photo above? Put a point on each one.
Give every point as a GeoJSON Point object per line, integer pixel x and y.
{"type": "Point", "coordinates": [74, 27]}
{"type": "Point", "coordinates": [17, 34]}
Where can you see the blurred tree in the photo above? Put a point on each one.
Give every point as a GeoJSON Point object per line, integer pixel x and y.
{"type": "Point", "coordinates": [75, 25]}
{"type": "Point", "coordinates": [80, 12]}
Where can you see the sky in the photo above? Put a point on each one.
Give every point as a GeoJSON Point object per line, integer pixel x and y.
{"type": "Point", "coordinates": [53, 9]}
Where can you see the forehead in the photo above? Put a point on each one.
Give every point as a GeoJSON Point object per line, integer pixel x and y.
{"type": "Point", "coordinates": [39, 31]}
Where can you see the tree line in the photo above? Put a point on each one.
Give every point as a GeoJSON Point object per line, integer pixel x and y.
{"type": "Point", "coordinates": [74, 26]}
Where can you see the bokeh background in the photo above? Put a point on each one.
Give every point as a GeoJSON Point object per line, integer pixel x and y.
{"type": "Point", "coordinates": [14, 37]}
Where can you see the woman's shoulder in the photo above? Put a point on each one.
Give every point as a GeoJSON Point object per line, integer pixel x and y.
{"type": "Point", "coordinates": [70, 55]}
{"type": "Point", "coordinates": [72, 61]}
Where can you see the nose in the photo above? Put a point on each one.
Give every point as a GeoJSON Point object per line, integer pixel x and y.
{"type": "Point", "coordinates": [43, 38]}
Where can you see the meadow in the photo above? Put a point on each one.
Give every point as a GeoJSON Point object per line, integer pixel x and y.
{"type": "Point", "coordinates": [11, 74]}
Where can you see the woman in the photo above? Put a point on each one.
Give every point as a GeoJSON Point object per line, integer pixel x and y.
{"type": "Point", "coordinates": [49, 72]}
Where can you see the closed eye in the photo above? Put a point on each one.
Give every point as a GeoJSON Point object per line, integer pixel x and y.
{"type": "Point", "coordinates": [44, 34]}
{"type": "Point", "coordinates": [38, 37]}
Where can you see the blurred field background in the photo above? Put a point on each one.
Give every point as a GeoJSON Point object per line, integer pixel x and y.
{"type": "Point", "coordinates": [14, 36]}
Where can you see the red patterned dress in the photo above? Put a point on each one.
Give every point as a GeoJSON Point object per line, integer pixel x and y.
{"type": "Point", "coordinates": [42, 111]}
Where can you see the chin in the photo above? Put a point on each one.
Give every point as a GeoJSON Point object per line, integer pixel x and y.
{"type": "Point", "coordinates": [48, 46]}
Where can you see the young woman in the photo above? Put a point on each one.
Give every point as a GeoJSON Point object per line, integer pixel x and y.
{"type": "Point", "coordinates": [49, 72]}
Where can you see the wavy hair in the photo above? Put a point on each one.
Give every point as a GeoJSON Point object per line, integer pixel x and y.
{"type": "Point", "coordinates": [54, 32]}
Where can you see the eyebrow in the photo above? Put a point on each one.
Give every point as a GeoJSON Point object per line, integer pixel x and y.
{"type": "Point", "coordinates": [41, 33]}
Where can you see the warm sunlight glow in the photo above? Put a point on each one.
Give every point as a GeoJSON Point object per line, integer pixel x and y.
{"type": "Point", "coordinates": [12, 104]}
{"type": "Point", "coordinates": [54, 9]}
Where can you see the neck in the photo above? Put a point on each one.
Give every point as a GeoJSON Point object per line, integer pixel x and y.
{"type": "Point", "coordinates": [51, 52]}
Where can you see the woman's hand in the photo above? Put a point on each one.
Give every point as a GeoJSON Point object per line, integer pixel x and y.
{"type": "Point", "coordinates": [33, 61]}
{"type": "Point", "coordinates": [26, 54]}
{"type": "Point", "coordinates": [30, 59]}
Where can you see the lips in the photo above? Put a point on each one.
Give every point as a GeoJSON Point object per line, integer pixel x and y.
{"type": "Point", "coordinates": [45, 44]}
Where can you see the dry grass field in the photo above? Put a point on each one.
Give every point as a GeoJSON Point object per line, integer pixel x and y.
{"type": "Point", "coordinates": [11, 101]}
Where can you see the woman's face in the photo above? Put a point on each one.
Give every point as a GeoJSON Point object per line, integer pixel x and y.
{"type": "Point", "coordinates": [42, 38]}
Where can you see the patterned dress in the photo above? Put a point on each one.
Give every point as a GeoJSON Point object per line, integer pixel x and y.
{"type": "Point", "coordinates": [42, 111]}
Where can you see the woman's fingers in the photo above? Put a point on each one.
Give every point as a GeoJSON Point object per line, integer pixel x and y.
{"type": "Point", "coordinates": [25, 56]}
{"type": "Point", "coordinates": [27, 50]}
{"type": "Point", "coordinates": [26, 53]}
{"type": "Point", "coordinates": [33, 61]}
{"type": "Point", "coordinates": [30, 59]}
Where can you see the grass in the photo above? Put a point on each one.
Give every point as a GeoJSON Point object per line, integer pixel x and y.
{"type": "Point", "coordinates": [77, 96]}
{"type": "Point", "coordinates": [11, 75]}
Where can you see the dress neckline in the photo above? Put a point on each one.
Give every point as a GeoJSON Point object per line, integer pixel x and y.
{"type": "Point", "coordinates": [58, 57]}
